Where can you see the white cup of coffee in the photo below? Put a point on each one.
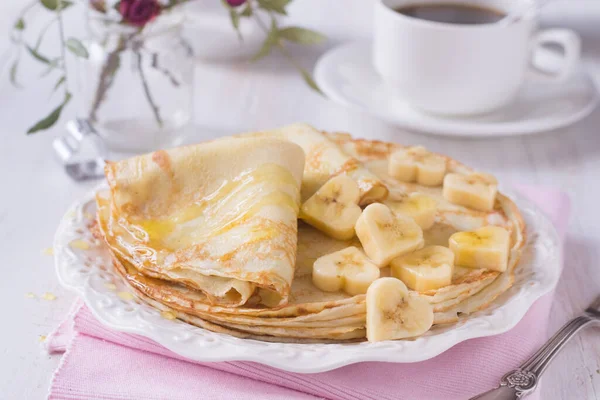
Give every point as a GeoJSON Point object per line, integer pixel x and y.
{"type": "Point", "coordinates": [471, 63]}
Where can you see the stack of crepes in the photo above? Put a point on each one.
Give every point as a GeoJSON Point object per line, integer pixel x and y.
{"type": "Point", "coordinates": [210, 233]}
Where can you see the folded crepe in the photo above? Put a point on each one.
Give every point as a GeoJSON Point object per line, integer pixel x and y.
{"type": "Point", "coordinates": [325, 159]}
{"type": "Point", "coordinates": [218, 217]}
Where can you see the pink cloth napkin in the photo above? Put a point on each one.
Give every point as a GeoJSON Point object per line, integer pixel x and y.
{"type": "Point", "coordinates": [99, 363]}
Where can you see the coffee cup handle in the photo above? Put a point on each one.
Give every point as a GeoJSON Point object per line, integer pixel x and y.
{"type": "Point", "coordinates": [549, 66]}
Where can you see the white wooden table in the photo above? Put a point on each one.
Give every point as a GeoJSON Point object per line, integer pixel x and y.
{"type": "Point", "coordinates": [35, 192]}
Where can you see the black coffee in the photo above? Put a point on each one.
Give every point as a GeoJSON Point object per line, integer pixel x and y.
{"type": "Point", "coordinates": [466, 14]}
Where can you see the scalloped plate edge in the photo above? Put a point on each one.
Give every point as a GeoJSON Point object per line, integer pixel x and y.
{"type": "Point", "coordinates": [301, 360]}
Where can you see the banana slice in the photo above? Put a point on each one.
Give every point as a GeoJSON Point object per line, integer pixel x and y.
{"type": "Point", "coordinates": [486, 247]}
{"type": "Point", "coordinates": [385, 235]}
{"type": "Point", "coordinates": [334, 209]}
{"type": "Point", "coordinates": [416, 164]}
{"type": "Point", "coordinates": [348, 270]}
{"type": "Point", "coordinates": [393, 314]}
{"type": "Point", "coordinates": [426, 269]}
{"type": "Point", "coordinates": [477, 191]}
{"type": "Point", "coordinates": [420, 207]}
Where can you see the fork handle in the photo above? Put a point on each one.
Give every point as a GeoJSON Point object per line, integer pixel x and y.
{"type": "Point", "coordinates": [538, 362]}
{"type": "Point", "coordinates": [520, 382]}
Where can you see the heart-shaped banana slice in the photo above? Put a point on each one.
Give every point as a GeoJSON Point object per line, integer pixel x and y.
{"type": "Point", "coordinates": [426, 269]}
{"type": "Point", "coordinates": [385, 235]}
{"type": "Point", "coordinates": [487, 247]}
{"type": "Point", "coordinates": [394, 314]}
{"type": "Point", "coordinates": [416, 164]}
{"type": "Point", "coordinates": [420, 207]}
{"type": "Point", "coordinates": [334, 209]}
{"type": "Point", "coordinates": [477, 191]}
{"type": "Point", "coordinates": [348, 270]}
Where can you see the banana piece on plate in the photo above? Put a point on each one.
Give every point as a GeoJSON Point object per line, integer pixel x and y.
{"type": "Point", "coordinates": [426, 269]}
{"type": "Point", "coordinates": [420, 207]}
{"type": "Point", "coordinates": [417, 164]}
{"type": "Point", "coordinates": [394, 314]}
{"type": "Point", "coordinates": [334, 209]}
{"type": "Point", "coordinates": [348, 270]}
{"type": "Point", "coordinates": [477, 191]}
{"type": "Point", "coordinates": [487, 247]}
{"type": "Point", "coordinates": [385, 235]}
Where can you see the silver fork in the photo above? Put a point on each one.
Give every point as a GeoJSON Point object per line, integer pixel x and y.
{"type": "Point", "coordinates": [522, 381]}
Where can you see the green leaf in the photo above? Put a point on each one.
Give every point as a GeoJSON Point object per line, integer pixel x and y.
{"type": "Point", "coordinates": [270, 41]}
{"type": "Point", "coordinates": [20, 24]}
{"type": "Point", "coordinates": [310, 81]}
{"type": "Point", "coordinates": [56, 5]}
{"type": "Point", "coordinates": [51, 119]}
{"type": "Point", "coordinates": [53, 64]}
{"type": "Point", "coordinates": [301, 35]}
{"type": "Point", "coordinates": [235, 19]}
{"type": "Point", "coordinates": [77, 48]}
{"type": "Point", "coordinates": [173, 3]}
{"type": "Point", "coordinates": [60, 82]}
{"type": "Point", "coordinates": [50, 4]}
{"type": "Point", "coordinates": [277, 6]}
{"type": "Point", "coordinates": [247, 11]}
{"type": "Point", "coordinates": [37, 55]}
{"type": "Point", "coordinates": [13, 74]}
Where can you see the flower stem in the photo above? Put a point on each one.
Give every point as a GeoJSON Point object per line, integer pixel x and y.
{"type": "Point", "coordinates": [43, 32]}
{"type": "Point", "coordinates": [63, 46]}
{"type": "Point", "coordinates": [107, 77]}
{"type": "Point", "coordinates": [154, 64]}
{"type": "Point", "coordinates": [286, 53]}
{"type": "Point", "coordinates": [153, 105]}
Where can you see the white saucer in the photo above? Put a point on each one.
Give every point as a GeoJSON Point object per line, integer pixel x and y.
{"type": "Point", "coordinates": [346, 76]}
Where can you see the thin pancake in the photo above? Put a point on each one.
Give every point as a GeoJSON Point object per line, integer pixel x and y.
{"type": "Point", "coordinates": [449, 217]}
{"type": "Point", "coordinates": [199, 322]}
{"type": "Point", "coordinates": [315, 315]}
{"type": "Point", "coordinates": [324, 159]}
{"type": "Point", "coordinates": [219, 217]}
{"type": "Point", "coordinates": [309, 304]}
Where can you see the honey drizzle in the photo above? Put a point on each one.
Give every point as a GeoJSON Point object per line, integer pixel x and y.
{"type": "Point", "coordinates": [156, 232]}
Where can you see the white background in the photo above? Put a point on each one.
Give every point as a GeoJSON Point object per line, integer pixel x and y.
{"type": "Point", "coordinates": [34, 191]}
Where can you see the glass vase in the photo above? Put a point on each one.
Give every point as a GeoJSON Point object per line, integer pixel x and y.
{"type": "Point", "coordinates": [136, 86]}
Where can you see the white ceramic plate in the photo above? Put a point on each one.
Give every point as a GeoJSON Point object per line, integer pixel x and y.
{"type": "Point", "coordinates": [89, 272]}
{"type": "Point", "coordinates": [346, 76]}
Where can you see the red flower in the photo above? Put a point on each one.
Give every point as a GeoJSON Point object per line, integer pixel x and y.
{"type": "Point", "coordinates": [235, 3]}
{"type": "Point", "coordinates": [139, 12]}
